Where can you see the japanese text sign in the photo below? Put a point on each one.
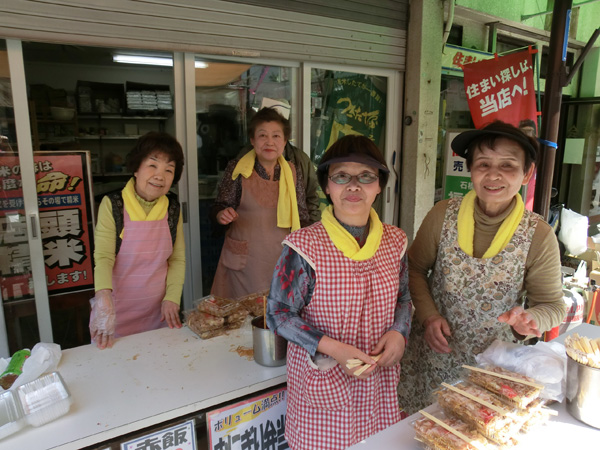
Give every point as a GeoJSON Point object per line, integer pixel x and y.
{"type": "Point", "coordinates": [457, 178]}
{"type": "Point", "coordinates": [355, 106]}
{"type": "Point", "coordinates": [178, 437]}
{"type": "Point", "coordinates": [66, 224]}
{"type": "Point", "coordinates": [501, 89]}
{"type": "Point", "coordinates": [254, 424]}
{"type": "Point", "coordinates": [455, 57]}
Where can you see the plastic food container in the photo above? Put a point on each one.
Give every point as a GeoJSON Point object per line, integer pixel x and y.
{"type": "Point", "coordinates": [217, 306]}
{"type": "Point", "coordinates": [45, 399]}
{"type": "Point", "coordinates": [11, 414]}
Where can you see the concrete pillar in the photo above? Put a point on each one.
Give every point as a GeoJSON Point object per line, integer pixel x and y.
{"type": "Point", "coordinates": [421, 112]}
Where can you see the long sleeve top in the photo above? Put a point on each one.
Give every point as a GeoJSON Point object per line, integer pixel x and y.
{"type": "Point", "coordinates": [288, 322]}
{"type": "Point", "coordinates": [542, 281]}
{"type": "Point", "coordinates": [105, 244]}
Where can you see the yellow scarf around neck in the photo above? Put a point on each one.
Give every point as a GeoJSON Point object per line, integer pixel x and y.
{"type": "Point", "coordinates": [346, 243]}
{"type": "Point", "coordinates": [287, 203]}
{"type": "Point", "coordinates": [466, 226]}
{"type": "Point", "coordinates": [135, 210]}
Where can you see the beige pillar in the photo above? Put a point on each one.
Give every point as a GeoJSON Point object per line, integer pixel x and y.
{"type": "Point", "coordinates": [421, 111]}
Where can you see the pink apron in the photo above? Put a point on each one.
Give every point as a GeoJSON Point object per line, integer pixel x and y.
{"type": "Point", "coordinates": [353, 302]}
{"type": "Point", "coordinates": [140, 275]}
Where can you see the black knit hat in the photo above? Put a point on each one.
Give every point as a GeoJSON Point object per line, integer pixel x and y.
{"type": "Point", "coordinates": [461, 143]}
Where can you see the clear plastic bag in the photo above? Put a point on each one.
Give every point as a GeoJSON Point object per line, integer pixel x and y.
{"type": "Point", "coordinates": [545, 362]}
{"type": "Point", "coordinates": [44, 359]}
{"type": "Point", "coordinates": [573, 231]}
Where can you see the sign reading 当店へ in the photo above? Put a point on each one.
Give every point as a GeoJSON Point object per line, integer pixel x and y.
{"type": "Point", "coordinates": [501, 89]}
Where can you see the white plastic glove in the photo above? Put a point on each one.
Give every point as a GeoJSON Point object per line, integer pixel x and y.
{"type": "Point", "coordinates": [102, 319]}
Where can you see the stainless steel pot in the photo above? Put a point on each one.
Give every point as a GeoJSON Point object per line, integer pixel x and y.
{"type": "Point", "coordinates": [583, 392]}
{"type": "Point", "coordinates": [269, 349]}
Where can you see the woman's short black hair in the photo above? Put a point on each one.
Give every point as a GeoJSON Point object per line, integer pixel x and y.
{"type": "Point", "coordinates": [360, 146]}
{"type": "Point", "coordinates": [156, 141]}
{"type": "Point", "coordinates": [269, 115]}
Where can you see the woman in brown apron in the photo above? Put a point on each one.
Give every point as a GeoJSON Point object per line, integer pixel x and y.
{"type": "Point", "coordinates": [261, 199]}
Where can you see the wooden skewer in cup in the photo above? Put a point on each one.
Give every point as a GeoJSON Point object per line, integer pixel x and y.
{"type": "Point", "coordinates": [265, 311]}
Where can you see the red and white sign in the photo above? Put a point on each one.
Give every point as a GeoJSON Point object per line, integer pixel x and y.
{"type": "Point", "coordinates": [257, 423]}
{"type": "Point", "coordinates": [501, 89]}
{"type": "Point", "coordinates": [66, 223]}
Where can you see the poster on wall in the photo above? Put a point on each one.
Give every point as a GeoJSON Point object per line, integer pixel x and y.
{"type": "Point", "coordinates": [66, 223]}
{"type": "Point", "coordinates": [355, 105]}
{"type": "Point", "coordinates": [457, 178]}
{"type": "Point", "coordinates": [257, 423]}
{"type": "Point", "coordinates": [501, 89]}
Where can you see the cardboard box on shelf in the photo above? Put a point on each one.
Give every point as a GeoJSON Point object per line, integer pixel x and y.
{"type": "Point", "coordinates": [591, 257]}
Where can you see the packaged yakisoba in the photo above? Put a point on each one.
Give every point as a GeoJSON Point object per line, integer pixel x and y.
{"type": "Point", "coordinates": [239, 315]}
{"type": "Point", "coordinates": [513, 387]}
{"type": "Point", "coordinates": [217, 306]}
{"type": "Point", "coordinates": [207, 325]}
{"type": "Point", "coordinates": [537, 413]}
{"type": "Point", "coordinates": [438, 431]}
{"type": "Point", "coordinates": [481, 409]}
{"type": "Point", "coordinates": [201, 322]}
{"type": "Point", "coordinates": [254, 303]}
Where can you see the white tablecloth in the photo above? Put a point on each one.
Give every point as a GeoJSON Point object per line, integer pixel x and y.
{"type": "Point", "coordinates": [146, 379]}
{"type": "Point", "coordinates": [563, 432]}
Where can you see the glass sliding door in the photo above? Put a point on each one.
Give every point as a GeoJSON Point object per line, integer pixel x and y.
{"type": "Point", "coordinates": [227, 94]}
{"type": "Point", "coordinates": [344, 102]}
{"type": "Point", "coordinates": [24, 296]}
{"type": "Point", "coordinates": [80, 111]}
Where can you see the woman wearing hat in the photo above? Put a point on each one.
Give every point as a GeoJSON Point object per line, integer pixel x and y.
{"type": "Point", "coordinates": [473, 259]}
{"type": "Point", "coordinates": [339, 293]}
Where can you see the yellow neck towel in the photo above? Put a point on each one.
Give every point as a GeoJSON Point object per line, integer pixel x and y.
{"type": "Point", "coordinates": [466, 226]}
{"type": "Point", "coordinates": [135, 210]}
{"type": "Point", "coordinates": [346, 243]}
{"type": "Point", "coordinates": [287, 203]}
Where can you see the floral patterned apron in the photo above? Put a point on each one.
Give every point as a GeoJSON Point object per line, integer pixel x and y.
{"type": "Point", "coordinates": [470, 293]}
{"type": "Point", "coordinates": [353, 302]}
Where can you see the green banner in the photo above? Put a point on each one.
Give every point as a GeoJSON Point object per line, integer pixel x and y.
{"type": "Point", "coordinates": [354, 106]}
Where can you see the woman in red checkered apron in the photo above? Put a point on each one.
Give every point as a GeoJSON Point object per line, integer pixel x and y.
{"type": "Point", "coordinates": [339, 293]}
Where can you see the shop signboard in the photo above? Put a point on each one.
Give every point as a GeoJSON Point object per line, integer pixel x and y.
{"type": "Point", "coordinates": [66, 223]}
{"type": "Point", "coordinates": [177, 437]}
{"type": "Point", "coordinates": [454, 57]}
{"type": "Point", "coordinates": [501, 89]}
{"type": "Point", "coordinates": [257, 423]}
{"type": "Point", "coordinates": [457, 179]}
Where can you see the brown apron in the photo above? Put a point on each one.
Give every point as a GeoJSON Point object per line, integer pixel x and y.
{"type": "Point", "coordinates": [253, 242]}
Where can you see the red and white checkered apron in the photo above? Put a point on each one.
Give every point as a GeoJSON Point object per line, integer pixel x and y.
{"type": "Point", "coordinates": [353, 302]}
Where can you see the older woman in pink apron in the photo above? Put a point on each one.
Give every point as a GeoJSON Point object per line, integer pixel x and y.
{"type": "Point", "coordinates": [340, 297]}
{"type": "Point", "coordinates": [471, 262]}
{"type": "Point", "coordinates": [139, 246]}
{"type": "Point", "coordinates": [261, 199]}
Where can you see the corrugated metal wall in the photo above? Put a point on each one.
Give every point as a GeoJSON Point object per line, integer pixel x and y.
{"type": "Point", "coordinates": [386, 13]}
{"type": "Point", "coordinates": [331, 31]}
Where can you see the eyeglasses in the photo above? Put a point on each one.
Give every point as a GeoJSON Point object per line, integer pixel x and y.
{"type": "Point", "coordinates": [362, 178]}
